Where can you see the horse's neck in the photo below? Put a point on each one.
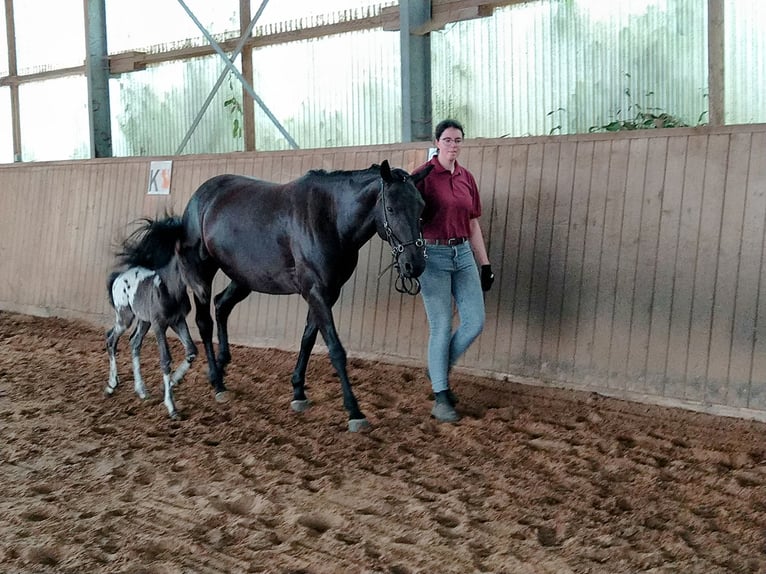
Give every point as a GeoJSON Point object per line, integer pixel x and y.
{"type": "Point", "coordinates": [359, 226]}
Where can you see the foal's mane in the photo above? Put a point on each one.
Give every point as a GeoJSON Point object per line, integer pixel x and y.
{"type": "Point", "coordinates": [152, 245]}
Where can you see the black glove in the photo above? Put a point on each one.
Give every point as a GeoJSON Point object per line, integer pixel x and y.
{"type": "Point", "coordinates": [487, 277]}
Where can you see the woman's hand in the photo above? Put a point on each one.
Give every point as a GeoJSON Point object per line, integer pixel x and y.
{"type": "Point", "coordinates": [487, 277]}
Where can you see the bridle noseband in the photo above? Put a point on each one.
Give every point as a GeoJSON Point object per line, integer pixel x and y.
{"type": "Point", "coordinates": [408, 285]}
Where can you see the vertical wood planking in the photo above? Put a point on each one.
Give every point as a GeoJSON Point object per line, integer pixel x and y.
{"type": "Point", "coordinates": [541, 256]}
{"type": "Point", "coordinates": [668, 246]}
{"type": "Point", "coordinates": [560, 229]}
{"type": "Point", "coordinates": [610, 253]}
{"type": "Point", "coordinates": [646, 264]}
{"type": "Point", "coordinates": [627, 261]}
{"type": "Point", "coordinates": [685, 265]}
{"type": "Point", "coordinates": [524, 276]}
{"type": "Point", "coordinates": [734, 191]}
{"type": "Point", "coordinates": [510, 261]}
{"type": "Point", "coordinates": [574, 261]}
{"type": "Point", "coordinates": [747, 371]}
{"type": "Point", "coordinates": [589, 276]}
{"type": "Point", "coordinates": [709, 235]}
{"type": "Point", "coordinates": [496, 232]}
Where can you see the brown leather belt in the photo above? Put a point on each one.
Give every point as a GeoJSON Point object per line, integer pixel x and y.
{"type": "Point", "coordinates": [450, 241]}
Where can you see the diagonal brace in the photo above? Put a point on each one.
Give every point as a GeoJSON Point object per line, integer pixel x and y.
{"type": "Point", "coordinates": [231, 67]}
{"type": "Point", "coordinates": [221, 78]}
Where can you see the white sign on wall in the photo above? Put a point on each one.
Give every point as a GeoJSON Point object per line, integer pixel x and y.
{"type": "Point", "coordinates": [159, 177]}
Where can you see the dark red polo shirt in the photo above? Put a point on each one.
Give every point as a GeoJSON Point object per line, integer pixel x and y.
{"type": "Point", "coordinates": [452, 200]}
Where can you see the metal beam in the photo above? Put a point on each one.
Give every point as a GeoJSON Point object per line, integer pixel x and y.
{"type": "Point", "coordinates": [97, 72]}
{"type": "Point", "coordinates": [416, 70]}
{"type": "Point", "coordinates": [10, 35]}
{"type": "Point", "coordinates": [239, 76]}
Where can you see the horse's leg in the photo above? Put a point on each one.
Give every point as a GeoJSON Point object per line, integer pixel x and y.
{"type": "Point", "coordinates": [162, 343]}
{"type": "Point", "coordinates": [136, 340]}
{"type": "Point", "coordinates": [112, 338]}
{"type": "Point", "coordinates": [322, 313]}
{"type": "Point", "coordinates": [182, 330]}
{"type": "Point", "coordinates": [300, 402]}
{"type": "Point", "coordinates": [199, 274]}
{"type": "Point", "coordinates": [224, 303]}
{"type": "Point", "coordinates": [205, 326]}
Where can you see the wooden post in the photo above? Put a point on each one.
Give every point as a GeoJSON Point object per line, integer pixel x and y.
{"type": "Point", "coordinates": [715, 64]}
{"type": "Point", "coordinates": [248, 106]}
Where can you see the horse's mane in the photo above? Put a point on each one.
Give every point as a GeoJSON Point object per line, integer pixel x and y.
{"type": "Point", "coordinates": [152, 245]}
{"type": "Point", "coordinates": [339, 172]}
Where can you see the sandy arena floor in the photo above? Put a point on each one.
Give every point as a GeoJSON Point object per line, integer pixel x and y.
{"type": "Point", "coordinates": [532, 480]}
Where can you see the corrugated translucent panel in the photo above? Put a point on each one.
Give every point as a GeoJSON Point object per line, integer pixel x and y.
{"type": "Point", "coordinates": [153, 109]}
{"type": "Point", "coordinates": [60, 131]}
{"type": "Point", "coordinates": [3, 46]}
{"type": "Point", "coordinates": [137, 24]}
{"type": "Point", "coordinates": [745, 61]}
{"type": "Point", "coordinates": [6, 130]}
{"type": "Point", "coordinates": [568, 66]}
{"type": "Point", "coordinates": [336, 91]}
{"type": "Point", "coordinates": [49, 34]}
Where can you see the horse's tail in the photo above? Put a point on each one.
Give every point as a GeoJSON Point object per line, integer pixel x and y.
{"type": "Point", "coordinates": [191, 249]}
{"type": "Point", "coordinates": [153, 244]}
{"type": "Point", "coordinates": [109, 283]}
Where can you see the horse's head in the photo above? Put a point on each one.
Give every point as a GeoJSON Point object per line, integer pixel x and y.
{"type": "Point", "coordinates": [400, 207]}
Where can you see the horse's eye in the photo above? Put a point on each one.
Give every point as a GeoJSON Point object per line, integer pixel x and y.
{"type": "Point", "coordinates": [390, 209]}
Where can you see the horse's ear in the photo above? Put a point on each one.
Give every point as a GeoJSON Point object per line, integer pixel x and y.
{"type": "Point", "coordinates": [385, 171]}
{"type": "Point", "coordinates": [416, 177]}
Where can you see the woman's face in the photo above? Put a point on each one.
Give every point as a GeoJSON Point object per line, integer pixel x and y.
{"type": "Point", "coordinates": [449, 143]}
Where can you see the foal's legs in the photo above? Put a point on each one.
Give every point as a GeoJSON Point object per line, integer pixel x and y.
{"type": "Point", "coordinates": [182, 330]}
{"type": "Point", "coordinates": [224, 303]}
{"type": "Point", "coordinates": [162, 343]}
{"type": "Point", "coordinates": [122, 322]}
{"type": "Point", "coordinates": [136, 340]}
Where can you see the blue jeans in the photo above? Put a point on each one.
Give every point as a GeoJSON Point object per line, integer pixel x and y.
{"type": "Point", "coordinates": [451, 272]}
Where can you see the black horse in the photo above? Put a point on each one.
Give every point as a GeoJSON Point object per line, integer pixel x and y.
{"type": "Point", "coordinates": [147, 287]}
{"type": "Point", "coordinates": [300, 237]}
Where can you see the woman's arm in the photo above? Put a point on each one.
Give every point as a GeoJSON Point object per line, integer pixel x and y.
{"type": "Point", "coordinates": [477, 243]}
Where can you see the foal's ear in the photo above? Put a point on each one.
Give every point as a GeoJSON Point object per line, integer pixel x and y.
{"type": "Point", "coordinates": [385, 172]}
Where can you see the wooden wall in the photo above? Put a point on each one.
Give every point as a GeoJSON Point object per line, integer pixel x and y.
{"type": "Point", "coordinates": [626, 264]}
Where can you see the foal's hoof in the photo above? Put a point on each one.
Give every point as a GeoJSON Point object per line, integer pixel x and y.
{"type": "Point", "coordinates": [222, 397]}
{"type": "Point", "coordinates": [358, 425]}
{"type": "Point", "coordinates": [300, 406]}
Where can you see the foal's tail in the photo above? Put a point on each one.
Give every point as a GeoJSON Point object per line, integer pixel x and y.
{"type": "Point", "coordinates": [152, 245]}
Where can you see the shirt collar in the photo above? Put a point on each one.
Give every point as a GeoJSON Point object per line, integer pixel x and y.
{"type": "Point", "coordinates": [439, 168]}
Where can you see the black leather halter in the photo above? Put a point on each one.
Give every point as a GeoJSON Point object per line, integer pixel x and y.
{"type": "Point", "coordinates": [408, 285]}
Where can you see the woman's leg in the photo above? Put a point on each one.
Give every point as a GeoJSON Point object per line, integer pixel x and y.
{"type": "Point", "coordinates": [469, 298]}
{"type": "Point", "coordinates": [436, 290]}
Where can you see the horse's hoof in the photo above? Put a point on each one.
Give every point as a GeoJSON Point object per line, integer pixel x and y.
{"type": "Point", "coordinates": [175, 415]}
{"type": "Point", "coordinates": [108, 391]}
{"type": "Point", "coordinates": [300, 406]}
{"type": "Point", "coordinates": [357, 425]}
{"type": "Point", "coordinates": [222, 397]}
